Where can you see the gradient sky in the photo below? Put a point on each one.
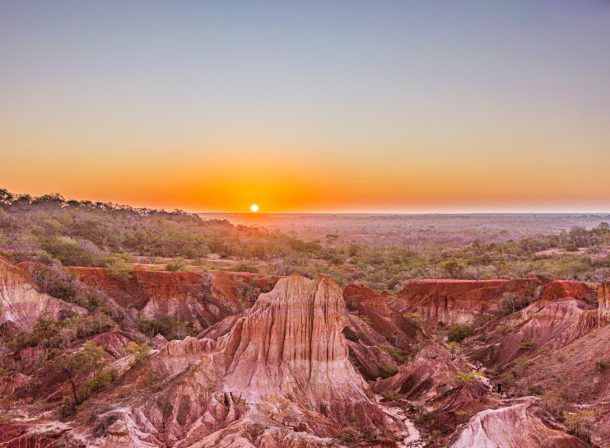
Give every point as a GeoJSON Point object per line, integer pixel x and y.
{"type": "Point", "coordinates": [309, 106]}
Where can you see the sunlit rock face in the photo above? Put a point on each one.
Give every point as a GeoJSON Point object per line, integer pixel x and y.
{"type": "Point", "coordinates": [543, 325]}
{"type": "Point", "coordinates": [201, 299]}
{"type": "Point", "coordinates": [562, 289]}
{"type": "Point", "coordinates": [517, 426]}
{"type": "Point", "coordinates": [447, 302]}
{"type": "Point", "coordinates": [21, 305]}
{"type": "Point", "coordinates": [280, 376]}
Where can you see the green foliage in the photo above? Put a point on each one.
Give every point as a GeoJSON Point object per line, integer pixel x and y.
{"type": "Point", "coordinates": [100, 381]}
{"type": "Point", "coordinates": [454, 347]}
{"type": "Point", "coordinates": [346, 436]}
{"type": "Point", "coordinates": [120, 268]}
{"type": "Point", "coordinates": [388, 370]}
{"type": "Point", "coordinates": [458, 332]}
{"type": "Point", "coordinates": [89, 358]}
{"type": "Point", "coordinates": [177, 265]}
{"type": "Point", "coordinates": [396, 353]}
{"type": "Point", "coordinates": [70, 252]}
{"type": "Point", "coordinates": [138, 351]}
{"type": "Point", "coordinates": [390, 395]}
{"type": "Point", "coordinates": [67, 408]}
{"type": "Point", "coordinates": [244, 267]}
{"type": "Point", "coordinates": [49, 333]}
{"type": "Point", "coordinates": [167, 326]}
{"type": "Point", "coordinates": [578, 423]}
{"type": "Point", "coordinates": [512, 303]}
{"type": "Point", "coordinates": [522, 363]}
{"type": "Point", "coordinates": [526, 346]}
{"type": "Point", "coordinates": [467, 377]}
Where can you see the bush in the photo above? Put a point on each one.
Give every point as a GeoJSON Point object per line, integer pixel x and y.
{"type": "Point", "coordinates": [467, 377]}
{"type": "Point", "coordinates": [458, 332]}
{"type": "Point", "coordinates": [602, 365]}
{"type": "Point", "coordinates": [511, 303]}
{"type": "Point", "coordinates": [69, 252]}
{"type": "Point", "coordinates": [245, 267]}
{"type": "Point", "coordinates": [398, 355]}
{"type": "Point", "coordinates": [388, 370]}
{"type": "Point", "coordinates": [176, 266]}
{"type": "Point", "coordinates": [578, 422]}
{"type": "Point", "coordinates": [346, 436]}
{"type": "Point", "coordinates": [390, 395]}
{"type": "Point", "coordinates": [67, 408]}
{"type": "Point", "coordinates": [49, 333]}
{"type": "Point", "coordinates": [167, 326]}
{"type": "Point", "coordinates": [120, 268]}
{"type": "Point", "coordinates": [526, 346]}
{"type": "Point", "coordinates": [99, 381]}
{"type": "Point", "coordinates": [138, 351]}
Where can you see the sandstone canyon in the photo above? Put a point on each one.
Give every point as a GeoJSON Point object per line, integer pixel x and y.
{"type": "Point", "coordinates": [295, 362]}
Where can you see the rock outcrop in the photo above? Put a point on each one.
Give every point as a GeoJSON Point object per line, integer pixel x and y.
{"type": "Point", "coordinates": [517, 426]}
{"type": "Point", "coordinates": [563, 289]}
{"type": "Point", "coordinates": [199, 298]}
{"type": "Point", "coordinates": [541, 325]}
{"type": "Point", "coordinates": [283, 366]}
{"type": "Point", "coordinates": [373, 306]}
{"type": "Point", "coordinates": [21, 305]}
{"type": "Point", "coordinates": [447, 302]}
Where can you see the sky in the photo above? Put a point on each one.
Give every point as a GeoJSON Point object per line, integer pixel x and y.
{"type": "Point", "coordinates": [332, 106]}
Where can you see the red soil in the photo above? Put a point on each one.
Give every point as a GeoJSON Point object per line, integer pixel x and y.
{"type": "Point", "coordinates": [563, 289]}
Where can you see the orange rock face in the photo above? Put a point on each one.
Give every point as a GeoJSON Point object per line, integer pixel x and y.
{"type": "Point", "coordinates": [563, 289]}
{"type": "Point", "coordinates": [374, 307]}
{"type": "Point", "coordinates": [447, 302]}
{"type": "Point", "coordinates": [204, 298]}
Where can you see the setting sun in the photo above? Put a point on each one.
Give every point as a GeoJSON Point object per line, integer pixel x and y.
{"type": "Point", "coordinates": [254, 208]}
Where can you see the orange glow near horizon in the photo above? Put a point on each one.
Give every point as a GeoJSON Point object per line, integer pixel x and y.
{"type": "Point", "coordinates": [311, 107]}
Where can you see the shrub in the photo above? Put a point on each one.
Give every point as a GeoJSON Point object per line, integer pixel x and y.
{"type": "Point", "coordinates": [522, 363]}
{"type": "Point", "coordinates": [245, 267]}
{"type": "Point", "coordinates": [167, 326]}
{"type": "Point", "coordinates": [99, 381]}
{"type": "Point", "coordinates": [396, 353]}
{"type": "Point", "coordinates": [526, 346]}
{"type": "Point", "coordinates": [67, 408]}
{"type": "Point", "coordinates": [511, 303]}
{"type": "Point", "coordinates": [390, 395]}
{"type": "Point", "coordinates": [458, 332]}
{"type": "Point", "coordinates": [120, 268]}
{"type": "Point", "coordinates": [176, 265]}
{"type": "Point", "coordinates": [139, 351]}
{"type": "Point", "coordinates": [346, 436]}
{"type": "Point", "coordinates": [467, 377]}
{"type": "Point", "coordinates": [602, 364]}
{"type": "Point", "coordinates": [69, 252]}
{"type": "Point", "coordinates": [578, 422]}
{"type": "Point", "coordinates": [387, 370]}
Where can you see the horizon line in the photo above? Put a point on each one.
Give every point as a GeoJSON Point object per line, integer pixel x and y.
{"type": "Point", "coordinates": [399, 213]}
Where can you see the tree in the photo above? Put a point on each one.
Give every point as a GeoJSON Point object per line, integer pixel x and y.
{"type": "Point", "coordinates": [91, 357]}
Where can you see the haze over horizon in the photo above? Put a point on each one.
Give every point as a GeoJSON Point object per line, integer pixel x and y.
{"type": "Point", "coordinates": [320, 107]}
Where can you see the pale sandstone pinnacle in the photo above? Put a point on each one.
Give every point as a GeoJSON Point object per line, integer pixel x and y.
{"type": "Point", "coordinates": [291, 343]}
{"type": "Point", "coordinates": [283, 365]}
